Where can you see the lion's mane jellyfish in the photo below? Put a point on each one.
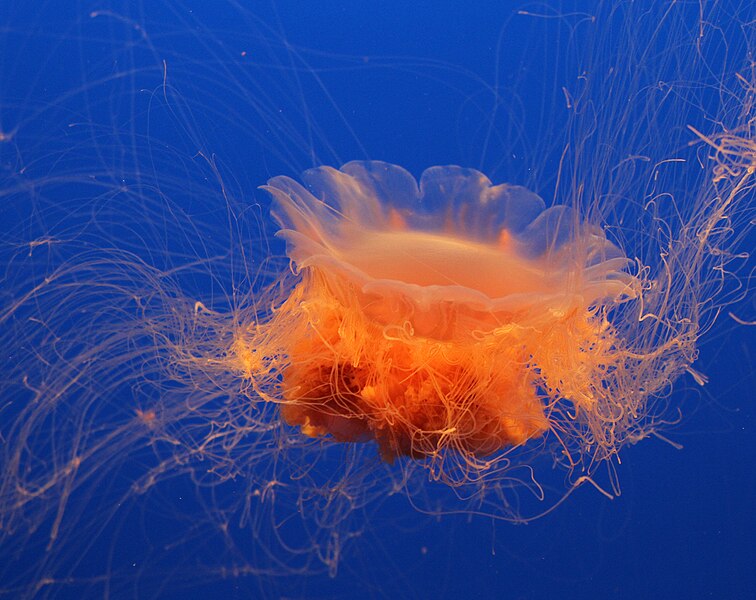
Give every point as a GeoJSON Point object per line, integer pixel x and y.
{"type": "Point", "coordinates": [445, 317]}
{"type": "Point", "coordinates": [463, 324]}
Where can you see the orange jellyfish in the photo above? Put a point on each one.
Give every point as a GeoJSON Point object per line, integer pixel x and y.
{"type": "Point", "coordinates": [446, 319]}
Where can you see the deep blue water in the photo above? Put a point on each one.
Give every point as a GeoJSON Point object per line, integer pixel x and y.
{"type": "Point", "coordinates": [168, 99]}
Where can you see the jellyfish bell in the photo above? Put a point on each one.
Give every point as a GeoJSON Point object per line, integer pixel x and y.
{"type": "Point", "coordinates": [447, 318]}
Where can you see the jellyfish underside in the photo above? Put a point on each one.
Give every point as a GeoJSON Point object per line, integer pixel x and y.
{"type": "Point", "coordinates": [448, 314]}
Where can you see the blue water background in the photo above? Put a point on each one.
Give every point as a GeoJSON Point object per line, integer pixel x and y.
{"type": "Point", "coordinates": [685, 523]}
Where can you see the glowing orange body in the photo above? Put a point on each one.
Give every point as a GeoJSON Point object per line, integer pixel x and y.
{"type": "Point", "coordinates": [355, 379]}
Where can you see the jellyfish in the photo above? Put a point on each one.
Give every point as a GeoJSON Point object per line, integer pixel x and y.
{"type": "Point", "coordinates": [452, 321]}
{"type": "Point", "coordinates": [442, 315]}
